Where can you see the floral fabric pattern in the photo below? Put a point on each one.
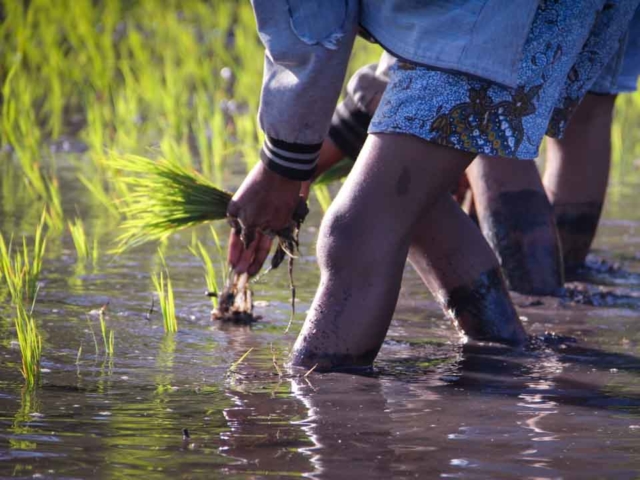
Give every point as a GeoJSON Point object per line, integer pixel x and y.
{"type": "Point", "coordinates": [568, 44]}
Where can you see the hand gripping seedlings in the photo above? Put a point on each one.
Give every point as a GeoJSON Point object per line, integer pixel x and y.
{"type": "Point", "coordinates": [235, 302]}
{"type": "Point", "coordinates": [164, 197]}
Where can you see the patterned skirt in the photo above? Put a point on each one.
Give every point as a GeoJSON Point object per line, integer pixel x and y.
{"type": "Point", "coordinates": [569, 44]}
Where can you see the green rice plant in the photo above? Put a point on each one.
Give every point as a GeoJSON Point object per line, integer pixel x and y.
{"type": "Point", "coordinates": [100, 193]}
{"type": "Point", "coordinates": [79, 237]}
{"type": "Point", "coordinates": [221, 254]}
{"type": "Point", "coordinates": [165, 197]}
{"type": "Point", "coordinates": [30, 342]}
{"type": "Point", "coordinates": [95, 251]}
{"type": "Point", "coordinates": [107, 335]}
{"type": "Point", "coordinates": [202, 254]}
{"type": "Point", "coordinates": [234, 365]}
{"type": "Point", "coordinates": [93, 336]}
{"type": "Point", "coordinates": [164, 290]}
{"type": "Point", "coordinates": [21, 271]}
{"type": "Point", "coordinates": [54, 214]}
{"type": "Point", "coordinates": [323, 196]}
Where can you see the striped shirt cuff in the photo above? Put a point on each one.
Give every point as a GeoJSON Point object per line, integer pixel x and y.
{"type": "Point", "coordinates": [295, 161]}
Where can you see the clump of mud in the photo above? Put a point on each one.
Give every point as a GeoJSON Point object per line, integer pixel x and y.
{"type": "Point", "coordinates": [546, 340]}
{"type": "Point", "coordinates": [596, 296]}
{"type": "Point", "coordinates": [235, 302]}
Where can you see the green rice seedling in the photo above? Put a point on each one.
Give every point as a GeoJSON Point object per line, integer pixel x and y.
{"type": "Point", "coordinates": [234, 365]}
{"type": "Point", "coordinates": [11, 271]}
{"type": "Point", "coordinates": [323, 196]}
{"type": "Point", "coordinates": [54, 215]}
{"type": "Point", "coordinates": [337, 172]}
{"type": "Point", "coordinates": [165, 197]}
{"type": "Point", "coordinates": [164, 290]}
{"type": "Point", "coordinates": [100, 193]}
{"type": "Point", "coordinates": [20, 272]}
{"type": "Point", "coordinates": [221, 254]}
{"type": "Point", "coordinates": [95, 249]}
{"type": "Point", "coordinates": [30, 343]}
{"type": "Point", "coordinates": [202, 254]}
{"type": "Point", "coordinates": [107, 335]}
{"type": "Point", "coordinates": [274, 360]}
{"type": "Point", "coordinates": [93, 336]}
{"type": "Point", "coordinates": [79, 237]}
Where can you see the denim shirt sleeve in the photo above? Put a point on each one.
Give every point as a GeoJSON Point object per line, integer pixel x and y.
{"type": "Point", "coordinates": [307, 43]}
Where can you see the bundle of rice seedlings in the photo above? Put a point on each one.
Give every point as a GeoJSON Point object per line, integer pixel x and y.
{"type": "Point", "coordinates": [164, 197]}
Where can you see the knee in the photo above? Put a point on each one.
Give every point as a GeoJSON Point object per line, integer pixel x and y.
{"type": "Point", "coordinates": [337, 240]}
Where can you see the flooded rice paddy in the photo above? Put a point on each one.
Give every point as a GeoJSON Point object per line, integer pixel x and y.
{"type": "Point", "coordinates": [182, 406]}
{"type": "Point", "coordinates": [84, 79]}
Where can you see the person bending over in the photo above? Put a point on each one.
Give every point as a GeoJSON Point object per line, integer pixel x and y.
{"type": "Point", "coordinates": [457, 94]}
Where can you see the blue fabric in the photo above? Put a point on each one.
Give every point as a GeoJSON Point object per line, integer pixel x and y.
{"type": "Point", "coordinates": [621, 74]}
{"type": "Point", "coordinates": [568, 44]}
{"type": "Point", "coordinates": [479, 37]}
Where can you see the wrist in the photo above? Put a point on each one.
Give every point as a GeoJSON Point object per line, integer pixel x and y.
{"type": "Point", "coordinates": [278, 182]}
{"type": "Point", "coordinates": [291, 161]}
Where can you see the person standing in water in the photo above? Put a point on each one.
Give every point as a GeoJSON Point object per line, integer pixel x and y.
{"type": "Point", "coordinates": [506, 191]}
{"type": "Point", "coordinates": [460, 91]}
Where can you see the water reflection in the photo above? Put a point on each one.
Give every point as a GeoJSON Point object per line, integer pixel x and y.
{"type": "Point", "coordinates": [26, 414]}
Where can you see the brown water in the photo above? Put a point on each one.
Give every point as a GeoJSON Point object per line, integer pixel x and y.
{"type": "Point", "coordinates": [431, 408]}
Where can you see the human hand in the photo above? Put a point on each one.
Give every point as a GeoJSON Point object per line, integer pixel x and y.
{"type": "Point", "coordinates": [263, 205]}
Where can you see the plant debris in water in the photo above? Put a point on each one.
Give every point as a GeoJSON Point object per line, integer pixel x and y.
{"type": "Point", "coordinates": [235, 302]}
{"type": "Point", "coordinates": [547, 340]}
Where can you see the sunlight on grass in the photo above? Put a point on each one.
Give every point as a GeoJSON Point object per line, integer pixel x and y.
{"type": "Point", "coordinates": [79, 237]}
{"type": "Point", "coordinates": [164, 290]}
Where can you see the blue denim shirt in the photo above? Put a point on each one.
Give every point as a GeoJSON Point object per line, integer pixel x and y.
{"type": "Point", "coordinates": [308, 43]}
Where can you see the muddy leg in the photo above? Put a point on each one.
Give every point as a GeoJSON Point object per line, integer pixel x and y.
{"type": "Point", "coordinates": [516, 218]}
{"type": "Point", "coordinates": [577, 173]}
{"type": "Point", "coordinates": [462, 272]}
{"type": "Point", "coordinates": [363, 245]}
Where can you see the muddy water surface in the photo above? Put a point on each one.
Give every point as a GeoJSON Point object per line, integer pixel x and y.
{"type": "Point", "coordinates": [431, 408]}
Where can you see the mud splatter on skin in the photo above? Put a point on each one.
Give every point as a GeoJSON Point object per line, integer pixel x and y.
{"type": "Point", "coordinates": [484, 310]}
{"type": "Point", "coordinates": [403, 185]}
{"type": "Point", "coordinates": [520, 231]}
{"type": "Point", "coordinates": [577, 224]}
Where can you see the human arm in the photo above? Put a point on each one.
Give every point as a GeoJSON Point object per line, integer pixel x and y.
{"type": "Point", "coordinates": [307, 44]}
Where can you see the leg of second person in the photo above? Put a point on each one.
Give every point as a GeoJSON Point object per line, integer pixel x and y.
{"type": "Point", "coordinates": [363, 245]}
{"type": "Point", "coordinates": [456, 263]}
{"type": "Point", "coordinates": [517, 220]}
{"type": "Point", "coordinates": [577, 173]}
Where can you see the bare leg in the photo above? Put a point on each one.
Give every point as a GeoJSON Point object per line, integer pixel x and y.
{"type": "Point", "coordinates": [363, 244]}
{"type": "Point", "coordinates": [517, 219]}
{"type": "Point", "coordinates": [577, 173]}
{"type": "Point", "coordinates": [455, 262]}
